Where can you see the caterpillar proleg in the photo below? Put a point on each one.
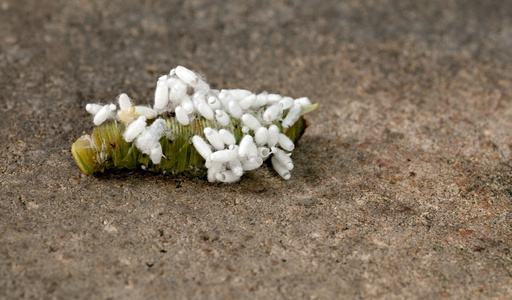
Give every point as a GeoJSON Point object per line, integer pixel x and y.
{"type": "Point", "coordinates": [181, 135]}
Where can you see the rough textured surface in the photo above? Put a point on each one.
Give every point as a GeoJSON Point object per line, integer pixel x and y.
{"type": "Point", "coordinates": [402, 186]}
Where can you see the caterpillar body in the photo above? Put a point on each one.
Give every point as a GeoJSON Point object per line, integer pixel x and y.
{"type": "Point", "coordinates": [194, 130]}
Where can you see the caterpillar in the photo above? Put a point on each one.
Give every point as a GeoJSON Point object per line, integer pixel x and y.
{"type": "Point", "coordinates": [194, 130]}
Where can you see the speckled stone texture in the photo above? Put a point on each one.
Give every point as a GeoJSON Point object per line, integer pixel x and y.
{"type": "Point", "coordinates": [402, 187]}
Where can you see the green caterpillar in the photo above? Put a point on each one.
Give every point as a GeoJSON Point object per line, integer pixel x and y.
{"type": "Point", "coordinates": [194, 130]}
{"type": "Point", "coordinates": [105, 148]}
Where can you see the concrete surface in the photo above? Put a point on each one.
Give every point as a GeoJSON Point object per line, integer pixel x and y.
{"type": "Point", "coordinates": [402, 187]}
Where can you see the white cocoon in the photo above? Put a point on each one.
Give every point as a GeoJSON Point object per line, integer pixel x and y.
{"type": "Point", "coordinates": [199, 97]}
{"type": "Point", "coordinates": [234, 109]}
{"type": "Point", "coordinates": [158, 127]}
{"type": "Point", "coordinates": [263, 152]}
{"type": "Point", "coordinates": [246, 102]}
{"type": "Point", "coordinates": [239, 94]}
{"type": "Point", "coordinates": [261, 100]}
{"type": "Point", "coordinates": [201, 86]}
{"type": "Point", "coordinates": [227, 176]}
{"type": "Point", "coordinates": [93, 109]}
{"type": "Point", "coordinates": [280, 169]}
{"type": "Point", "coordinates": [251, 122]}
{"type": "Point", "coordinates": [214, 169]}
{"type": "Point", "coordinates": [178, 91]}
{"type": "Point", "coordinates": [187, 104]}
{"type": "Point", "coordinates": [285, 142]}
{"type": "Point", "coordinates": [222, 117]}
{"type": "Point", "coordinates": [187, 75]}
{"type": "Point", "coordinates": [149, 138]}
{"type": "Point", "coordinates": [124, 102]}
{"type": "Point", "coordinates": [227, 137]}
{"type": "Point", "coordinates": [103, 114]}
{"type": "Point", "coordinates": [161, 93]}
{"type": "Point", "coordinates": [134, 129]}
{"type": "Point", "coordinates": [233, 147]}
{"type": "Point", "coordinates": [286, 102]}
{"type": "Point", "coordinates": [223, 155]}
{"type": "Point", "coordinates": [225, 97]}
{"type": "Point", "coordinates": [292, 116]}
{"type": "Point", "coordinates": [214, 138]}
{"type": "Point", "coordinates": [205, 110]}
{"type": "Point", "coordinates": [261, 136]}
{"type": "Point", "coordinates": [201, 146]}
{"type": "Point", "coordinates": [249, 165]}
{"type": "Point", "coordinates": [274, 98]}
{"type": "Point", "coordinates": [272, 112]}
{"type": "Point", "coordinates": [252, 152]}
{"type": "Point", "coordinates": [304, 101]}
{"type": "Point", "coordinates": [273, 135]}
{"type": "Point", "coordinates": [151, 135]}
{"type": "Point", "coordinates": [246, 146]}
{"type": "Point", "coordinates": [147, 112]}
{"type": "Point", "coordinates": [283, 158]}
{"type": "Point", "coordinates": [236, 167]}
{"type": "Point", "coordinates": [182, 116]}
{"type": "Point", "coordinates": [213, 102]}
{"type": "Point", "coordinates": [156, 154]}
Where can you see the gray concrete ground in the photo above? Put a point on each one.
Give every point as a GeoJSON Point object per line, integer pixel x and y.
{"type": "Point", "coordinates": [402, 187]}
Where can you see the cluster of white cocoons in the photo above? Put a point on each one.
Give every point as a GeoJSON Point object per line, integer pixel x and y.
{"type": "Point", "coordinates": [184, 93]}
